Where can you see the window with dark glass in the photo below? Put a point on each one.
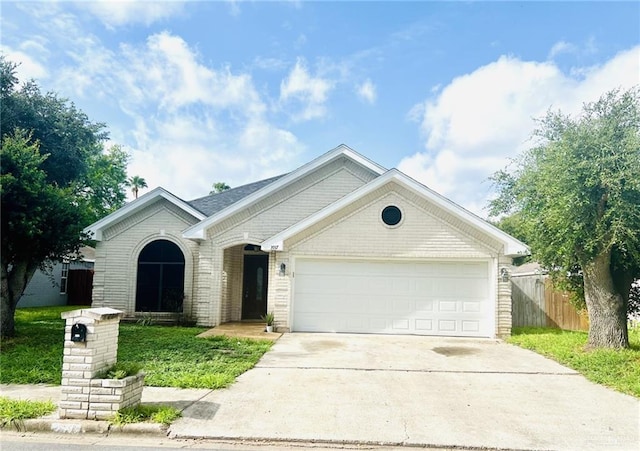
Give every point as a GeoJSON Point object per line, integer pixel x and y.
{"type": "Point", "coordinates": [160, 281]}
{"type": "Point", "coordinates": [391, 215]}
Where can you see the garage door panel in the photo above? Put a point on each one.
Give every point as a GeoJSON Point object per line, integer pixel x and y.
{"type": "Point", "coordinates": [447, 306]}
{"type": "Point", "coordinates": [424, 325]}
{"type": "Point", "coordinates": [423, 305]}
{"type": "Point", "coordinates": [471, 306]}
{"type": "Point", "coordinates": [446, 325]}
{"type": "Point", "coordinates": [471, 326]}
{"type": "Point", "coordinates": [429, 298]}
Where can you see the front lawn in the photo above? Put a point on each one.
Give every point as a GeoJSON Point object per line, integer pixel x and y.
{"type": "Point", "coordinates": [170, 356]}
{"type": "Point", "coordinates": [619, 370]}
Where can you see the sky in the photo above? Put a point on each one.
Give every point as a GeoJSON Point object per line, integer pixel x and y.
{"type": "Point", "coordinates": [199, 92]}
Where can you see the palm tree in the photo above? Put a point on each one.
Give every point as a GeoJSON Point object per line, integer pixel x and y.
{"type": "Point", "coordinates": [136, 182]}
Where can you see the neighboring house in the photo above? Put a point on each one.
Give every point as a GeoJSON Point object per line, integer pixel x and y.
{"type": "Point", "coordinates": [64, 283]}
{"type": "Point", "coordinates": [338, 245]}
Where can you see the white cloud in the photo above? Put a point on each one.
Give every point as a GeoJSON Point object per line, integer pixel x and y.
{"type": "Point", "coordinates": [234, 7]}
{"type": "Point", "coordinates": [267, 63]}
{"type": "Point", "coordinates": [168, 71]}
{"type": "Point", "coordinates": [311, 92]}
{"type": "Point", "coordinates": [195, 124]}
{"type": "Point", "coordinates": [367, 92]}
{"type": "Point", "coordinates": [28, 67]}
{"type": "Point", "coordinates": [561, 47]}
{"type": "Point", "coordinates": [186, 124]}
{"type": "Point", "coordinates": [117, 13]}
{"type": "Point", "coordinates": [474, 125]}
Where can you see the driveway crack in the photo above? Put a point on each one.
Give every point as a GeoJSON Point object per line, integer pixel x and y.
{"type": "Point", "coordinates": [400, 370]}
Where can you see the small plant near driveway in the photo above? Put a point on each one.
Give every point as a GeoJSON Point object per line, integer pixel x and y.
{"type": "Point", "coordinates": [617, 369]}
{"type": "Point", "coordinates": [269, 318]}
{"type": "Point", "coordinates": [13, 411]}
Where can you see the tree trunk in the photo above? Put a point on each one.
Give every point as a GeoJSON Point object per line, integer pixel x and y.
{"type": "Point", "coordinates": [12, 284]}
{"type": "Point", "coordinates": [606, 307]}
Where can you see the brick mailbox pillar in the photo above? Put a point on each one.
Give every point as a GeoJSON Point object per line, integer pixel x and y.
{"type": "Point", "coordinates": [90, 347]}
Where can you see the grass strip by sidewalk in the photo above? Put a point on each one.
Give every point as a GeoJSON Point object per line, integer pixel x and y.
{"type": "Point", "coordinates": [170, 356]}
{"type": "Point", "coordinates": [617, 369]}
{"type": "Point", "coordinates": [13, 411]}
{"type": "Point", "coordinates": [144, 413]}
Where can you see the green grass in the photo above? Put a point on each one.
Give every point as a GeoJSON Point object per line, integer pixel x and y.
{"type": "Point", "coordinates": [617, 369]}
{"type": "Point", "coordinates": [170, 356]}
{"type": "Point", "coordinates": [13, 411]}
{"type": "Point", "coordinates": [143, 413]}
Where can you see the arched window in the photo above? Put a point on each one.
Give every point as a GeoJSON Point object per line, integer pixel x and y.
{"type": "Point", "coordinates": [160, 286]}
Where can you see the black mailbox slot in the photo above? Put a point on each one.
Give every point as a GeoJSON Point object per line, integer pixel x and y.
{"type": "Point", "coordinates": [79, 332]}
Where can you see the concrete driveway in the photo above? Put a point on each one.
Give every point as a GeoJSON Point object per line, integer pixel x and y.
{"type": "Point", "coordinates": [408, 390]}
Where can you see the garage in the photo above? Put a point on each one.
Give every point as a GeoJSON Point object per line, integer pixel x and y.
{"type": "Point", "coordinates": [450, 298]}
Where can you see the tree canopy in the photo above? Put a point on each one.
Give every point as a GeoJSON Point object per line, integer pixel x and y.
{"type": "Point", "coordinates": [576, 196]}
{"type": "Point", "coordinates": [55, 180]}
{"type": "Point", "coordinates": [219, 187]}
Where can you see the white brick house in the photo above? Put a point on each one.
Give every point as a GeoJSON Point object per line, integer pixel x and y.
{"type": "Point", "coordinates": [340, 244]}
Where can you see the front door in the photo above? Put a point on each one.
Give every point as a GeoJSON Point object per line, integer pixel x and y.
{"type": "Point", "coordinates": [254, 292]}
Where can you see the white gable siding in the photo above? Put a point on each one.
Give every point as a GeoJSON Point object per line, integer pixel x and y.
{"type": "Point", "coordinates": [361, 233]}
{"type": "Point", "coordinates": [292, 204]}
{"type": "Point", "coordinates": [114, 282]}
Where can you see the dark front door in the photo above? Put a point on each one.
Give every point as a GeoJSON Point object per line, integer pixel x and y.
{"type": "Point", "coordinates": [254, 292]}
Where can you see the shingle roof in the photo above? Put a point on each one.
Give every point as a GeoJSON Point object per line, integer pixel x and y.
{"type": "Point", "coordinates": [213, 203]}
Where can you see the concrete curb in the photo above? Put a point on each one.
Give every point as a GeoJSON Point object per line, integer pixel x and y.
{"type": "Point", "coordinates": [140, 428]}
{"type": "Point", "coordinates": [86, 427]}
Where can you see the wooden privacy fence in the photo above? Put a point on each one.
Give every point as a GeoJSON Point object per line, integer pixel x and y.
{"type": "Point", "coordinates": [79, 287]}
{"type": "Point", "coordinates": [535, 303]}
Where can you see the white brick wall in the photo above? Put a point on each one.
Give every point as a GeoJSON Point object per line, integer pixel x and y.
{"type": "Point", "coordinates": [222, 289]}
{"type": "Point", "coordinates": [285, 208]}
{"type": "Point", "coordinates": [359, 232]}
{"type": "Point", "coordinates": [213, 273]}
{"type": "Point", "coordinates": [84, 396]}
{"type": "Point", "coordinates": [232, 284]}
{"type": "Point", "coordinates": [279, 293]}
{"type": "Point", "coordinates": [114, 281]}
{"type": "Point", "coordinates": [424, 233]}
{"type": "Point", "coordinates": [503, 310]}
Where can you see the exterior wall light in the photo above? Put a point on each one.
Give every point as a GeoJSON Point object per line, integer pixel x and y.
{"type": "Point", "coordinates": [504, 274]}
{"type": "Point", "coordinates": [283, 269]}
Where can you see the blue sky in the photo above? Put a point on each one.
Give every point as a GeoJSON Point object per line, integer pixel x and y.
{"type": "Point", "coordinates": [235, 91]}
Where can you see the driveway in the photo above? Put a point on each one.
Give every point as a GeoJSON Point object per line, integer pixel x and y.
{"type": "Point", "coordinates": [409, 390]}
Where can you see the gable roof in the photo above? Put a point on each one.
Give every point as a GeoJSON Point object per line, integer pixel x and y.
{"type": "Point", "coordinates": [198, 231]}
{"type": "Point", "coordinates": [96, 229]}
{"type": "Point", "coordinates": [512, 246]}
{"type": "Point", "coordinates": [213, 203]}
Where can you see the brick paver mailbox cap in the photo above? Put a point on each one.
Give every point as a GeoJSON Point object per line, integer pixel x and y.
{"type": "Point", "coordinates": [100, 313]}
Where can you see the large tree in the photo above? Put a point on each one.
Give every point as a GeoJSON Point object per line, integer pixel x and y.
{"type": "Point", "coordinates": [55, 180]}
{"type": "Point", "coordinates": [578, 193]}
{"type": "Point", "coordinates": [103, 190]}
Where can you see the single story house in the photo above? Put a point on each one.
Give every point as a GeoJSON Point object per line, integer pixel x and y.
{"type": "Point", "coordinates": [340, 244]}
{"type": "Point", "coordinates": [66, 282]}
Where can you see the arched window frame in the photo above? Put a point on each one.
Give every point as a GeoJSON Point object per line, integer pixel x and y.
{"type": "Point", "coordinates": [169, 294]}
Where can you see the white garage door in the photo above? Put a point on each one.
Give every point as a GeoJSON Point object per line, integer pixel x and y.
{"type": "Point", "coordinates": [422, 298]}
